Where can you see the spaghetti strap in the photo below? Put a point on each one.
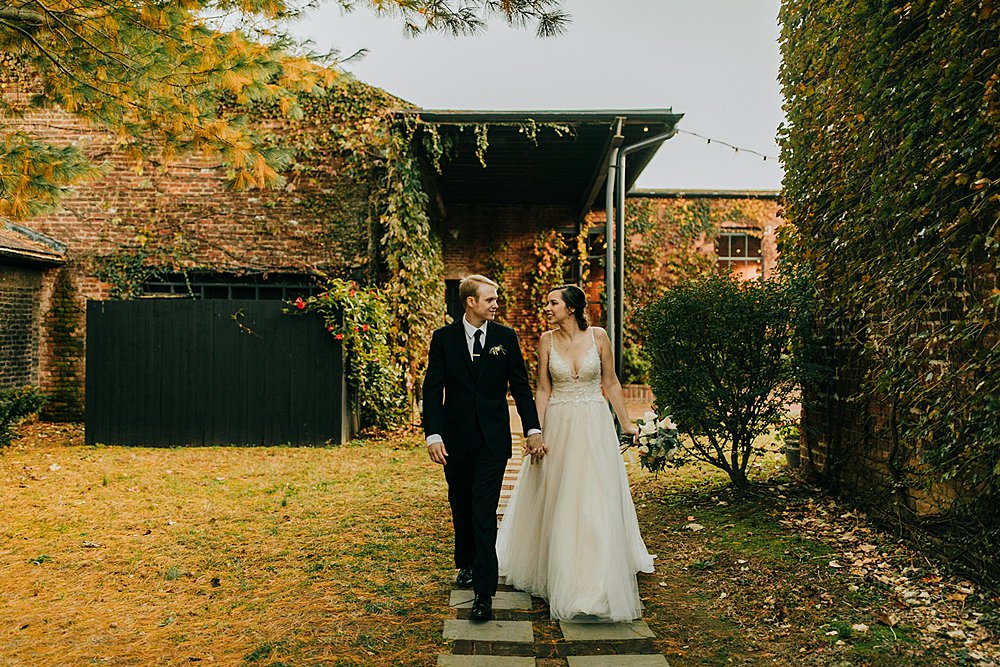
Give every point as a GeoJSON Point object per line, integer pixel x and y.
{"type": "Point", "coordinates": [551, 336]}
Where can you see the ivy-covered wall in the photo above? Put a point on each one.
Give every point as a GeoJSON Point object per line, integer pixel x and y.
{"type": "Point", "coordinates": [892, 157]}
{"type": "Point", "coordinates": [498, 241]}
{"type": "Point", "coordinates": [671, 239]}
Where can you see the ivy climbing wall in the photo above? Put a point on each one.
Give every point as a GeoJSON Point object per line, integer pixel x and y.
{"type": "Point", "coordinates": [892, 155]}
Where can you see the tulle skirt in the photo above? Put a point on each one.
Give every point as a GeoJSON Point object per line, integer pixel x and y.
{"type": "Point", "coordinates": [570, 534]}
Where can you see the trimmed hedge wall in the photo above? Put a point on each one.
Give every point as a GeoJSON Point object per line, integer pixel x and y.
{"type": "Point", "coordinates": [892, 156]}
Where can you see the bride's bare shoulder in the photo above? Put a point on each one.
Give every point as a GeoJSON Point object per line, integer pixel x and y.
{"type": "Point", "coordinates": [600, 332]}
{"type": "Point", "coordinates": [546, 335]}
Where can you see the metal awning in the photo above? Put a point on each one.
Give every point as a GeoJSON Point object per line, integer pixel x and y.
{"type": "Point", "coordinates": [558, 167]}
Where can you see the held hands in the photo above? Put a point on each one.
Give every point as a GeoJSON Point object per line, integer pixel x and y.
{"type": "Point", "coordinates": [535, 446]}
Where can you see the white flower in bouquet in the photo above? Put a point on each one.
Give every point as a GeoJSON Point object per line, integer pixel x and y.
{"type": "Point", "coordinates": [657, 440]}
{"type": "Point", "coordinates": [647, 428]}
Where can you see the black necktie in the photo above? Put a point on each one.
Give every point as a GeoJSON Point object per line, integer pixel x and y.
{"type": "Point", "coordinates": [477, 346]}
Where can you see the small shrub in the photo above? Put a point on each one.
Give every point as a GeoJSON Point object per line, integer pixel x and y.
{"type": "Point", "coordinates": [720, 364]}
{"type": "Point", "coordinates": [15, 405]}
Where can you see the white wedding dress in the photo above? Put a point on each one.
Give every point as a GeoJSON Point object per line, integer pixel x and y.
{"type": "Point", "coordinates": [570, 533]}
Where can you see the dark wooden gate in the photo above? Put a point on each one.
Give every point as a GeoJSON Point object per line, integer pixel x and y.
{"type": "Point", "coordinates": [165, 372]}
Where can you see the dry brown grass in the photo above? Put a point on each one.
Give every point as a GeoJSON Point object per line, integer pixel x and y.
{"type": "Point", "coordinates": [264, 556]}
{"type": "Point", "coordinates": [281, 557]}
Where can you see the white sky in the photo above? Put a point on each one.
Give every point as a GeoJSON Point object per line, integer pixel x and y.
{"type": "Point", "coordinates": [714, 61]}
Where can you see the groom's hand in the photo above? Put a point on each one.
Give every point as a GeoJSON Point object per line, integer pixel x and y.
{"type": "Point", "coordinates": [535, 445]}
{"type": "Point", "coordinates": [438, 453]}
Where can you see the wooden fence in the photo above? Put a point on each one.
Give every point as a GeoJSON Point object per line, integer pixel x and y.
{"type": "Point", "coordinates": [166, 372]}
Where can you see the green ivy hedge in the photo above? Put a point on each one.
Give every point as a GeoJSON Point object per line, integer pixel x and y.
{"type": "Point", "coordinates": [892, 155]}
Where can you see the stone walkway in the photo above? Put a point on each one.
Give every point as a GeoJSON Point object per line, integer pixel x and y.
{"type": "Point", "coordinates": [510, 639]}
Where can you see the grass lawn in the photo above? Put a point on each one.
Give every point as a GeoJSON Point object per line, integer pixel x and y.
{"type": "Point", "coordinates": [342, 556]}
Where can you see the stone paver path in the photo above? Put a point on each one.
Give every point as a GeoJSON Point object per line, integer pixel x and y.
{"type": "Point", "coordinates": [509, 640]}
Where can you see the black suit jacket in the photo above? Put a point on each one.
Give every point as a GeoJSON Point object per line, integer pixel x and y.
{"type": "Point", "coordinates": [460, 399]}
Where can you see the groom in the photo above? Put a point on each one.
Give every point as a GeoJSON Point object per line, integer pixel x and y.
{"type": "Point", "coordinates": [471, 364]}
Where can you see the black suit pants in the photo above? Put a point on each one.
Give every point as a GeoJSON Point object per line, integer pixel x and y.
{"type": "Point", "coordinates": [474, 482]}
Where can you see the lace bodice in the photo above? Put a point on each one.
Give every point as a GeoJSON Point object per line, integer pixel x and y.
{"type": "Point", "coordinates": [585, 387]}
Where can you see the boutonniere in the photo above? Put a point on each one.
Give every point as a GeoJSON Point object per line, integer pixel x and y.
{"type": "Point", "coordinates": [497, 350]}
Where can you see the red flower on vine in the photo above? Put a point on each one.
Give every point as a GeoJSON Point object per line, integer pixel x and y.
{"type": "Point", "coordinates": [330, 328]}
{"type": "Point", "coordinates": [339, 336]}
{"type": "Point", "coordinates": [364, 327]}
{"type": "Point", "coordinates": [299, 303]}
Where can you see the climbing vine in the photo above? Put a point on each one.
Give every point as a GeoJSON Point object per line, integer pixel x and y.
{"type": "Point", "coordinates": [355, 122]}
{"type": "Point", "coordinates": [361, 319]}
{"type": "Point", "coordinates": [892, 154]}
{"type": "Point", "coordinates": [130, 265]}
{"type": "Point", "coordinates": [668, 245]}
{"type": "Point", "coordinates": [497, 268]}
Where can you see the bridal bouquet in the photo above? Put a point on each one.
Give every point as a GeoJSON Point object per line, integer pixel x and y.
{"type": "Point", "coordinates": [657, 441]}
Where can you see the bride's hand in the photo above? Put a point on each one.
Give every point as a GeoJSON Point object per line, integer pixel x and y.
{"type": "Point", "coordinates": [628, 438]}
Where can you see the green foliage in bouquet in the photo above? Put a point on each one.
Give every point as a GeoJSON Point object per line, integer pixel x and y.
{"type": "Point", "coordinates": [720, 353]}
{"type": "Point", "coordinates": [16, 404]}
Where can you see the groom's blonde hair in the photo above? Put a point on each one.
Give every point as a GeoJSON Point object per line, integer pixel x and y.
{"type": "Point", "coordinates": [470, 286]}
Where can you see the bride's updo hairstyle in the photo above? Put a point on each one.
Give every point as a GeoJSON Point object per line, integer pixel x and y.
{"type": "Point", "coordinates": [574, 298]}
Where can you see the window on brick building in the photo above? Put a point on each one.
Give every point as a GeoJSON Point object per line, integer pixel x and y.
{"type": "Point", "coordinates": [739, 253]}
{"type": "Point", "coordinates": [571, 270]}
{"type": "Point", "coordinates": [213, 285]}
{"type": "Point", "coordinates": [596, 247]}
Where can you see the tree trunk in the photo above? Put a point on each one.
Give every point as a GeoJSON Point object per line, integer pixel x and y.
{"type": "Point", "coordinates": [738, 476]}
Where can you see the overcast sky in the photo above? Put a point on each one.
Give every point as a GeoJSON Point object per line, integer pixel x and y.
{"type": "Point", "coordinates": [716, 62]}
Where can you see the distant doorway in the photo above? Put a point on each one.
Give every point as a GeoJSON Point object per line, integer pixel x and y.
{"type": "Point", "coordinates": [452, 302]}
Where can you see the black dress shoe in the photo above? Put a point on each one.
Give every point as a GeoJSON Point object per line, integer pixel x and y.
{"type": "Point", "coordinates": [464, 578]}
{"type": "Point", "coordinates": [482, 608]}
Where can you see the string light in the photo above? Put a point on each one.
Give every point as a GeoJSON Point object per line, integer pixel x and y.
{"type": "Point", "coordinates": [736, 149]}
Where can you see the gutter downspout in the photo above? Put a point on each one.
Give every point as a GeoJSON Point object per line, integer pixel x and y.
{"type": "Point", "coordinates": [609, 228]}
{"type": "Point", "coordinates": [618, 305]}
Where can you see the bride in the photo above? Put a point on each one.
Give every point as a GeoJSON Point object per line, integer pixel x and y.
{"type": "Point", "coordinates": [570, 533]}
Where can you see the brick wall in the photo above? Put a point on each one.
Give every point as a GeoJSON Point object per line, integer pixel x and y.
{"type": "Point", "coordinates": [181, 216]}
{"type": "Point", "coordinates": [851, 444]}
{"type": "Point", "coordinates": [473, 234]}
{"type": "Point", "coordinates": [318, 220]}
{"type": "Point", "coordinates": [19, 324]}
{"type": "Point", "coordinates": [766, 220]}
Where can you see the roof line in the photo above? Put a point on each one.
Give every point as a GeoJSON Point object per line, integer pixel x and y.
{"type": "Point", "coordinates": [666, 115]}
{"type": "Point", "coordinates": [37, 237]}
{"type": "Point", "coordinates": [30, 257]}
{"type": "Point", "coordinates": [678, 193]}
